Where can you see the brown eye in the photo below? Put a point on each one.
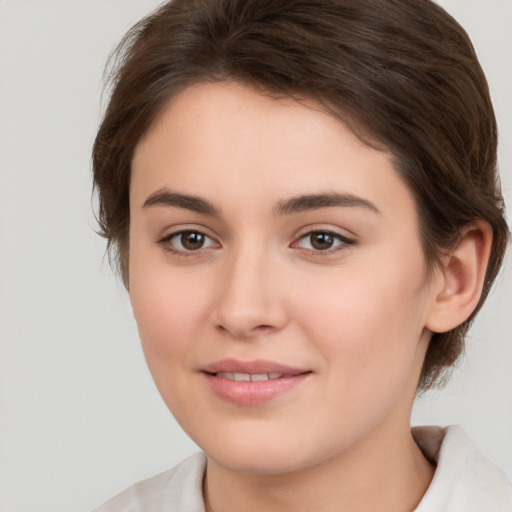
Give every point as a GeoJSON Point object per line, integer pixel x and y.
{"type": "Point", "coordinates": [321, 241]}
{"type": "Point", "coordinates": [187, 242]}
{"type": "Point", "coordinates": [192, 240]}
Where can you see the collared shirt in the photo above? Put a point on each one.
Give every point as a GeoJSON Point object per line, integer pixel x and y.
{"type": "Point", "coordinates": [464, 480]}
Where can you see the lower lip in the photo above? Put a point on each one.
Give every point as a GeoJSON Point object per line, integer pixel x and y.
{"type": "Point", "coordinates": [253, 392]}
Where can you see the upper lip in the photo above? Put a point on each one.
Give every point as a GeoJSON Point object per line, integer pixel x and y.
{"type": "Point", "coordinates": [257, 366]}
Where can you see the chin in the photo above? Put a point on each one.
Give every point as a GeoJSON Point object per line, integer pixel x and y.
{"type": "Point", "coordinates": [257, 463]}
{"type": "Point", "coordinates": [254, 455]}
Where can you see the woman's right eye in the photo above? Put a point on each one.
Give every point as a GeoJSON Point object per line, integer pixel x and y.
{"type": "Point", "coordinates": [187, 241]}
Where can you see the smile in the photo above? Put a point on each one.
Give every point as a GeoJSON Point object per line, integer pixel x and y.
{"type": "Point", "coordinates": [251, 383]}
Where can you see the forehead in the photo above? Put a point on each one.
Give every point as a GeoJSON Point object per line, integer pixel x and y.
{"type": "Point", "coordinates": [228, 142]}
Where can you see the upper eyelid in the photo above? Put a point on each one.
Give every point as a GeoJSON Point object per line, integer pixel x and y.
{"type": "Point", "coordinates": [319, 228]}
{"type": "Point", "coordinates": [173, 234]}
{"type": "Point", "coordinates": [342, 238]}
{"type": "Point", "coordinates": [169, 232]}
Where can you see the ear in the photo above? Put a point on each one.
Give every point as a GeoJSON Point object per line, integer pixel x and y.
{"type": "Point", "coordinates": [458, 285]}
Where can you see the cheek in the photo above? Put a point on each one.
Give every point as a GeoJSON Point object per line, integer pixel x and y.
{"type": "Point", "coordinates": [169, 315]}
{"type": "Point", "coordinates": [168, 309]}
{"type": "Point", "coordinates": [368, 324]}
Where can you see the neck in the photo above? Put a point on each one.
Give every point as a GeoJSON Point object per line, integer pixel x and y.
{"type": "Point", "coordinates": [386, 472]}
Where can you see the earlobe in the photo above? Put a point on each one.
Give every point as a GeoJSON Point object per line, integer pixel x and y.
{"type": "Point", "coordinates": [460, 282]}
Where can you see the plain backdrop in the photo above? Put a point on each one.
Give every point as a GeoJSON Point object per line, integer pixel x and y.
{"type": "Point", "coordinates": [80, 417]}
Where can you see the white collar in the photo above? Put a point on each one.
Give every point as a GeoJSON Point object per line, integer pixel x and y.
{"type": "Point", "coordinates": [464, 481]}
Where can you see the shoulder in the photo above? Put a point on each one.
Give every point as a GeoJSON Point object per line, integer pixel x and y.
{"type": "Point", "coordinates": [179, 488]}
{"type": "Point", "coordinates": [464, 481]}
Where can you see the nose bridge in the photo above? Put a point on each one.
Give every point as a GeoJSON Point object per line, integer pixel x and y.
{"type": "Point", "coordinates": [249, 300]}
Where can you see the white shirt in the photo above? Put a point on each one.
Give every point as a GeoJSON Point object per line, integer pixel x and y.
{"type": "Point", "coordinates": [464, 481]}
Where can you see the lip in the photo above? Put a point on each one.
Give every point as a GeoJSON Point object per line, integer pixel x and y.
{"type": "Point", "coordinates": [252, 392]}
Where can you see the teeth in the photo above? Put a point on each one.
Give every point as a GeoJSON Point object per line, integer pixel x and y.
{"type": "Point", "coordinates": [259, 376]}
{"type": "Point", "coordinates": [226, 375]}
{"type": "Point", "coordinates": [247, 377]}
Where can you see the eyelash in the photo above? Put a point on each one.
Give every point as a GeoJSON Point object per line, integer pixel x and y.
{"type": "Point", "coordinates": [344, 243]}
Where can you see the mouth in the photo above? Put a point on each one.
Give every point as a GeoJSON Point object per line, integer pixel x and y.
{"type": "Point", "coordinates": [252, 383]}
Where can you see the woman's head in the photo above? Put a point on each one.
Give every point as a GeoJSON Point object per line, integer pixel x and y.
{"type": "Point", "coordinates": [267, 242]}
{"type": "Point", "coordinates": [401, 74]}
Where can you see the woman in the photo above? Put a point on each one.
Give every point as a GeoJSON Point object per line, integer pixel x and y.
{"type": "Point", "coordinates": [301, 200]}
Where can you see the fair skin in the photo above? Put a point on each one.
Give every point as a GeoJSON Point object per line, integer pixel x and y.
{"type": "Point", "coordinates": [264, 233]}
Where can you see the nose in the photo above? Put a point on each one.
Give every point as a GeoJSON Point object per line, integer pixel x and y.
{"type": "Point", "coordinates": [250, 302]}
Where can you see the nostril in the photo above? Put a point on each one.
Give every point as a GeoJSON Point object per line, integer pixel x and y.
{"type": "Point", "coordinates": [263, 328]}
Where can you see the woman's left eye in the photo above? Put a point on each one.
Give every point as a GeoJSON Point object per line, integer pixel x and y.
{"type": "Point", "coordinates": [322, 241]}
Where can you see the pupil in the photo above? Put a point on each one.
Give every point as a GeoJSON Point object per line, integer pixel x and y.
{"type": "Point", "coordinates": [322, 241]}
{"type": "Point", "coordinates": [192, 240]}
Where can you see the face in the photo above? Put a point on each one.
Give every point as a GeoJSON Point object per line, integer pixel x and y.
{"type": "Point", "coordinates": [277, 279]}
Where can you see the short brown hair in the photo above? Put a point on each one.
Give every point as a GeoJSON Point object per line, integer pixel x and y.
{"type": "Point", "coordinates": [402, 71]}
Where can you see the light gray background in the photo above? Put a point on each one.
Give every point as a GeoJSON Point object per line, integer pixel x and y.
{"type": "Point", "coordinates": [80, 417]}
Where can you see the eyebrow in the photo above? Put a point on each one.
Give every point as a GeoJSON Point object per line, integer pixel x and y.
{"type": "Point", "coordinates": [296, 204]}
{"type": "Point", "coordinates": [165, 197]}
{"type": "Point", "coordinates": [302, 203]}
